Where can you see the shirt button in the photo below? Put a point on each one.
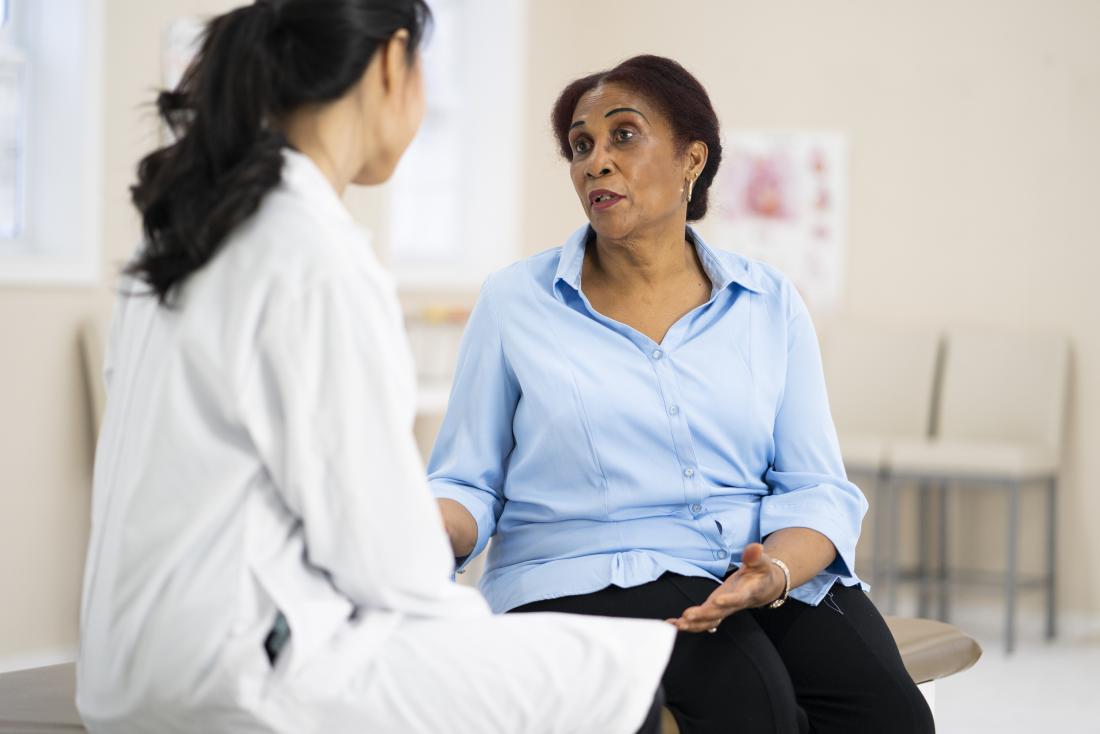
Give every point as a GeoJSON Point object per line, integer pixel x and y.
{"type": "Point", "coordinates": [673, 409]}
{"type": "Point", "coordinates": [696, 508]}
{"type": "Point", "coordinates": [689, 472]}
{"type": "Point", "coordinates": [721, 554]}
{"type": "Point", "coordinates": [657, 354]}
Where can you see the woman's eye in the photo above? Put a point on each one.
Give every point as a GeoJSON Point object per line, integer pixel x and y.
{"type": "Point", "coordinates": [580, 145]}
{"type": "Point", "coordinates": [622, 135]}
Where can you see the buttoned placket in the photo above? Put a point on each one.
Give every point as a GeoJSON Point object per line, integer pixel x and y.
{"type": "Point", "coordinates": [694, 485]}
{"type": "Point", "coordinates": [661, 359]}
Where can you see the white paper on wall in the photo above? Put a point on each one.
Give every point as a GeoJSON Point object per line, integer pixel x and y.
{"type": "Point", "coordinates": [781, 197]}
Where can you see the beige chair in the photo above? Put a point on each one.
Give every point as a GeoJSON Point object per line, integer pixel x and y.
{"type": "Point", "coordinates": [999, 426]}
{"type": "Point", "coordinates": [881, 381]}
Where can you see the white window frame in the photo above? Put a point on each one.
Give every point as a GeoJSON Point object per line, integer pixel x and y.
{"type": "Point", "coordinates": [61, 241]}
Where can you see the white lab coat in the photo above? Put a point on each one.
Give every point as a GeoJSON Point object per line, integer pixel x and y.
{"type": "Point", "coordinates": [256, 455]}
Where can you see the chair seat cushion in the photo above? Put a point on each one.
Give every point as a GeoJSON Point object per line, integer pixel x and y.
{"type": "Point", "coordinates": [931, 649]}
{"type": "Point", "coordinates": [977, 459]}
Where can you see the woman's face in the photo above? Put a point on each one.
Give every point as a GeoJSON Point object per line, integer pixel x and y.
{"type": "Point", "coordinates": [627, 169]}
{"type": "Point", "coordinates": [394, 101]}
{"type": "Point", "coordinates": [410, 110]}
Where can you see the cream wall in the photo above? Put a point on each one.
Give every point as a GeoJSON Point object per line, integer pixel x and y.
{"type": "Point", "coordinates": [45, 430]}
{"type": "Point", "coordinates": [975, 168]}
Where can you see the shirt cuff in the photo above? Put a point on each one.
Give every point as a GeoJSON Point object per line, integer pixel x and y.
{"type": "Point", "coordinates": [482, 514]}
{"type": "Point", "coordinates": [782, 511]}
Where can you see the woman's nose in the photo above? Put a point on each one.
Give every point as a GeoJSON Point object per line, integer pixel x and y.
{"type": "Point", "coordinates": [598, 164]}
{"type": "Point", "coordinates": [598, 171]}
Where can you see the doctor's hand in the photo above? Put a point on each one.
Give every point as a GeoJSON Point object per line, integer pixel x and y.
{"type": "Point", "coordinates": [757, 582]}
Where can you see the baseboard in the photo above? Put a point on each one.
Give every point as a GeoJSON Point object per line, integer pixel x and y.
{"type": "Point", "coordinates": [37, 659]}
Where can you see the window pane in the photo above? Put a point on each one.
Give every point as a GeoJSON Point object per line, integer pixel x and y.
{"type": "Point", "coordinates": [12, 143]}
{"type": "Point", "coordinates": [429, 177]}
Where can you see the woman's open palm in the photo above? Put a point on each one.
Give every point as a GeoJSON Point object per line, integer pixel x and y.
{"type": "Point", "coordinates": [757, 582]}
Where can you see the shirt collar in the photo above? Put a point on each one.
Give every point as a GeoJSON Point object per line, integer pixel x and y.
{"type": "Point", "coordinates": [572, 259]}
{"type": "Point", "coordinates": [722, 271]}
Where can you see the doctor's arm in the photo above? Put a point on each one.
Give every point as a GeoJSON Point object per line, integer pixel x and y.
{"type": "Point", "coordinates": [330, 411]}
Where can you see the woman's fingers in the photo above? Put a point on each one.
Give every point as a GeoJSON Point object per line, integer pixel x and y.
{"type": "Point", "coordinates": [739, 591]}
{"type": "Point", "coordinates": [703, 617]}
{"type": "Point", "coordinates": [696, 619]}
{"type": "Point", "coordinates": [754, 556]}
{"type": "Point", "coordinates": [697, 625]}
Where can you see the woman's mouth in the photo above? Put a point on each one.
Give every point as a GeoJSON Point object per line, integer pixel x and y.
{"type": "Point", "coordinates": [603, 199]}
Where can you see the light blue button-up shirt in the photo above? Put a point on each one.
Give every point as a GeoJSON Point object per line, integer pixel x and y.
{"type": "Point", "coordinates": [593, 455]}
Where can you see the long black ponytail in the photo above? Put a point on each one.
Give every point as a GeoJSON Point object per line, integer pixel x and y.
{"type": "Point", "coordinates": [256, 64]}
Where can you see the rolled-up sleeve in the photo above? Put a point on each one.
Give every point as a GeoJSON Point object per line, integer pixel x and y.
{"type": "Point", "coordinates": [471, 452]}
{"type": "Point", "coordinates": [808, 484]}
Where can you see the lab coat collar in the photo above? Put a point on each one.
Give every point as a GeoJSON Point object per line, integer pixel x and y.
{"type": "Point", "coordinates": [302, 176]}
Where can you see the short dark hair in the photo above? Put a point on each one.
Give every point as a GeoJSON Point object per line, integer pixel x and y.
{"type": "Point", "coordinates": [675, 92]}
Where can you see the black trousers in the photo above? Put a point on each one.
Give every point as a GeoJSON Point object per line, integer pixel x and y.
{"type": "Point", "coordinates": [829, 669]}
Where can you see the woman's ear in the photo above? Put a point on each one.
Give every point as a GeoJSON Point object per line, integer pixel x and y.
{"type": "Point", "coordinates": [697, 158]}
{"type": "Point", "coordinates": [395, 61]}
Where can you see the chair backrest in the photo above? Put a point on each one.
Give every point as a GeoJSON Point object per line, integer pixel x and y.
{"type": "Point", "coordinates": [91, 335]}
{"type": "Point", "coordinates": [881, 378]}
{"type": "Point", "coordinates": [1003, 385]}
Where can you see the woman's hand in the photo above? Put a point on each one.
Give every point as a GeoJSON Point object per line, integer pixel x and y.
{"type": "Point", "coordinates": [460, 526]}
{"type": "Point", "coordinates": [757, 582]}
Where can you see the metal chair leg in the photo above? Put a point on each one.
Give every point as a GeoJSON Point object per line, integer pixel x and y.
{"type": "Point", "coordinates": [1052, 542]}
{"type": "Point", "coordinates": [924, 549]}
{"type": "Point", "coordinates": [1010, 566]}
{"type": "Point", "coordinates": [891, 496]}
{"type": "Point", "coordinates": [878, 534]}
{"type": "Point", "coordinates": [944, 569]}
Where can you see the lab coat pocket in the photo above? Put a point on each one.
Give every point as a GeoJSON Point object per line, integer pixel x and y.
{"type": "Point", "coordinates": [313, 609]}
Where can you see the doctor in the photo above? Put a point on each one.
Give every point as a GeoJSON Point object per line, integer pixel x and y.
{"type": "Point", "coordinates": [265, 554]}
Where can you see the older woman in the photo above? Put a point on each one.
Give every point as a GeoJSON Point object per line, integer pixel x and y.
{"type": "Point", "coordinates": [640, 422]}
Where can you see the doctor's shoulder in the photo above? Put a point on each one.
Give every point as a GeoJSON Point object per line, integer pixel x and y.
{"type": "Point", "coordinates": [285, 238]}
